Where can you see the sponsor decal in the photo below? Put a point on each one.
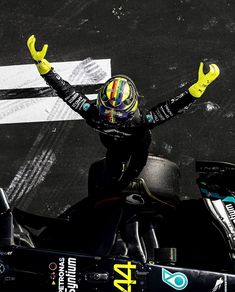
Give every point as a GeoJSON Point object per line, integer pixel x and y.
{"type": "Point", "coordinates": [5, 253]}
{"type": "Point", "coordinates": [86, 106]}
{"type": "Point", "coordinates": [218, 284]}
{"type": "Point", "coordinates": [231, 212]}
{"type": "Point", "coordinates": [149, 118]}
{"type": "Point", "coordinates": [9, 279]}
{"type": "Point", "coordinates": [177, 280]}
{"type": "Point", "coordinates": [53, 275]}
{"type": "Point", "coordinates": [125, 283]}
{"type": "Point", "coordinates": [67, 280]}
{"type": "Point", "coordinates": [64, 274]}
{"type": "Point", "coordinates": [53, 266]}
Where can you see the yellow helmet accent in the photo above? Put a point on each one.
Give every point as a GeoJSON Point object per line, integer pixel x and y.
{"type": "Point", "coordinates": [117, 90]}
{"type": "Point", "coordinates": [118, 99]}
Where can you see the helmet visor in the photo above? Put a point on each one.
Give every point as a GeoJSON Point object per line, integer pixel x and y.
{"type": "Point", "coordinates": [116, 116]}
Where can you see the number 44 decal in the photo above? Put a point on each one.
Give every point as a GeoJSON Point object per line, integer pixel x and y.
{"type": "Point", "coordinates": [125, 271]}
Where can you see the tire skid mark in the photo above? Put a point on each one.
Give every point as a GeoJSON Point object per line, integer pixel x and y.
{"type": "Point", "coordinates": [34, 165]}
{"type": "Point", "coordinates": [88, 70]}
{"type": "Point", "coordinates": [56, 192]}
{"type": "Point", "coordinates": [42, 154]}
{"type": "Point", "coordinates": [37, 159]}
{"type": "Point", "coordinates": [42, 163]}
{"type": "Point", "coordinates": [37, 167]}
{"type": "Point", "coordinates": [48, 159]}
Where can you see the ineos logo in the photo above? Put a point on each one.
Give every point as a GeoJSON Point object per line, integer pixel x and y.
{"type": "Point", "coordinates": [2, 268]}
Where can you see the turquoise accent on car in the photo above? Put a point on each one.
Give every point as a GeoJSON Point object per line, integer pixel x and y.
{"type": "Point", "coordinates": [229, 199]}
{"type": "Point", "coordinates": [178, 281]}
{"type": "Point", "coordinates": [214, 195]}
{"type": "Point", "coordinates": [149, 118]}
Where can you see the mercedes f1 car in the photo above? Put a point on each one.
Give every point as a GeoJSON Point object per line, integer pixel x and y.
{"type": "Point", "coordinates": [151, 241]}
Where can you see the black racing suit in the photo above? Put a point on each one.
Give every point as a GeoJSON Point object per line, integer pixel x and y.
{"type": "Point", "coordinates": [127, 142]}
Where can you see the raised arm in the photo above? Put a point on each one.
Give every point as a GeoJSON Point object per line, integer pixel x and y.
{"type": "Point", "coordinates": [76, 100]}
{"type": "Point", "coordinates": [179, 104]}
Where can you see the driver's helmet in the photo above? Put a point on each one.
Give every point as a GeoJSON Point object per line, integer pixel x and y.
{"type": "Point", "coordinates": [117, 100]}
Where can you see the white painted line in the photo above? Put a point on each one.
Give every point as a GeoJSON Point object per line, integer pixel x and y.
{"type": "Point", "coordinates": [30, 110]}
{"type": "Point", "coordinates": [46, 109]}
{"type": "Point", "coordinates": [83, 72]}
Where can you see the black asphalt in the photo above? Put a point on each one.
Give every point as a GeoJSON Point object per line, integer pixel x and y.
{"type": "Point", "coordinates": [159, 44]}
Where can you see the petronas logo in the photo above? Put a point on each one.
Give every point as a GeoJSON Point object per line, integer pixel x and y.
{"type": "Point", "coordinates": [177, 280]}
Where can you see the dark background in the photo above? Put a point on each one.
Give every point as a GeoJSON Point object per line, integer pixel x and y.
{"type": "Point", "coordinates": [159, 44]}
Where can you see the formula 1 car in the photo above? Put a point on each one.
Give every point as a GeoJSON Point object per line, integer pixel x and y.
{"type": "Point", "coordinates": [152, 241]}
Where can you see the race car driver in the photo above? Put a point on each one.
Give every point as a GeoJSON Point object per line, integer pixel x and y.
{"type": "Point", "coordinates": [125, 128]}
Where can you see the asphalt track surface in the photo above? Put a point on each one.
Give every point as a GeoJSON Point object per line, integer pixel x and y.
{"type": "Point", "coordinates": [159, 44]}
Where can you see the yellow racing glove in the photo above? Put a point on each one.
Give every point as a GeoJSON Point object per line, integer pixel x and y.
{"type": "Point", "coordinates": [198, 88]}
{"type": "Point", "coordinates": [42, 64]}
